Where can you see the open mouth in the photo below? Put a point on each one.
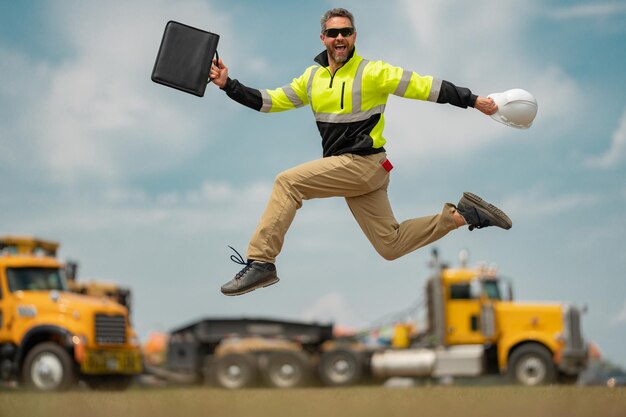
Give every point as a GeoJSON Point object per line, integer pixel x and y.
{"type": "Point", "coordinates": [340, 48]}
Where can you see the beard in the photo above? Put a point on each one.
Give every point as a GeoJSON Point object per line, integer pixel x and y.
{"type": "Point", "coordinates": [339, 57]}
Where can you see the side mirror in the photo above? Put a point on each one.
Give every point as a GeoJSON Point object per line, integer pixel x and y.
{"type": "Point", "coordinates": [505, 289]}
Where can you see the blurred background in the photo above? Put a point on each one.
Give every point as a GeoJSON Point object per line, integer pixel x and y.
{"type": "Point", "coordinates": [146, 186]}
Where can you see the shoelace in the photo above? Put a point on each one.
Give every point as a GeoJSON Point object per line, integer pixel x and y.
{"type": "Point", "coordinates": [238, 259]}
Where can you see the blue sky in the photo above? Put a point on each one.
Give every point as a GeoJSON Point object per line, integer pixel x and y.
{"type": "Point", "coordinates": [147, 186]}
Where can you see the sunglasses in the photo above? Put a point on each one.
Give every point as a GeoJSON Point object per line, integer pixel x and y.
{"type": "Point", "coordinates": [334, 32]}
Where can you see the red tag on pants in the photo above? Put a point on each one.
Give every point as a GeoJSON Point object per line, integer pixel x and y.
{"type": "Point", "coordinates": [387, 165]}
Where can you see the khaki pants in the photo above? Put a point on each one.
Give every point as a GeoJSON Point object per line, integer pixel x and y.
{"type": "Point", "coordinates": [362, 181]}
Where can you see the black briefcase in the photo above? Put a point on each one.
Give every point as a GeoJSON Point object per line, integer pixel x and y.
{"type": "Point", "coordinates": [184, 58]}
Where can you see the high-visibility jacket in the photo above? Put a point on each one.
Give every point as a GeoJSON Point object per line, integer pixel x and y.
{"type": "Point", "coordinates": [348, 105]}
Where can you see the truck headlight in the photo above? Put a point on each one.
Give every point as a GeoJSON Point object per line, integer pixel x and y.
{"type": "Point", "coordinates": [80, 344]}
{"type": "Point", "coordinates": [80, 339]}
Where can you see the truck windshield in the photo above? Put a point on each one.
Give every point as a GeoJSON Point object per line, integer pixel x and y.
{"type": "Point", "coordinates": [35, 279]}
{"type": "Point", "coordinates": [492, 289]}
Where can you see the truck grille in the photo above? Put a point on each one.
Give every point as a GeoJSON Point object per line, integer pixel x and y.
{"type": "Point", "coordinates": [572, 320]}
{"type": "Point", "coordinates": [110, 330]}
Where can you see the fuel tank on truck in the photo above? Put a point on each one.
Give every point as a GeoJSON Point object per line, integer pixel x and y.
{"type": "Point", "coordinates": [466, 360]}
{"type": "Point", "coordinates": [410, 362]}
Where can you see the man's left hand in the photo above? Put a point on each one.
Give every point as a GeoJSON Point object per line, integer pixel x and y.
{"type": "Point", "coordinates": [486, 105]}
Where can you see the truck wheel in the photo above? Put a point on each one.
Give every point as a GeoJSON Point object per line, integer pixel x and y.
{"type": "Point", "coordinates": [48, 367]}
{"type": "Point", "coordinates": [109, 382]}
{"type": "Point", "coordinates": [340, 368]}
{"type": "Point", "coordinates": [531, 365]}
{"type": "Point", "coordinates": [286, 369]}
{"type": "Point", "coordinates": [235, 371]}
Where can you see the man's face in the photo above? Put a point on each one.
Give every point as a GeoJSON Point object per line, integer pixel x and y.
{"type": "Point", "coordinates": [339, 47]}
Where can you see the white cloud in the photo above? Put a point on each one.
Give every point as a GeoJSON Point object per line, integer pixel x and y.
{"type": "Point", "coordinates": [616, 153]}
{"type": "Point", "coordinates": [330, 308]}
{"type": "Point", "coordinates": [485, 52]}
{"type": "Point", "coordinates": [473, 30]}
{"type": "Point", "coordinates": [94, 114]}
{"type": "Point", "coordinates": [214, 205]}
{"type": "Point", "coordinates": [27, 79]}
{"type": "Point", "coordinates": [620, 317]}
{"type": "Point", "coordinates": [539, 202]}
{"type": "Point", "coordinates": [559, 98]}
{"type": "Point", "coordinates": [589, 10]}
{"type": "Point", "coordinates": [100, 113]}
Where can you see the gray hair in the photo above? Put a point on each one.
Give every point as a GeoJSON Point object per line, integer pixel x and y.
{"type": "Point", "coordinates": [337, 12]}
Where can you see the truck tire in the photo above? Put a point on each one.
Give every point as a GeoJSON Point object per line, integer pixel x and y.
{"type": "Point", "coordinates": [235, 371]}
{"type": "Point", "coordinates": [340, 368]}
{"type": "Point", "coordinates": [48, 367]}
{"type": "Point", "coordinates": [531, 365]}
{"type": "Point", "coordinates": [286, 369]}
{"type": "Point", "coordinates": [109, 382]}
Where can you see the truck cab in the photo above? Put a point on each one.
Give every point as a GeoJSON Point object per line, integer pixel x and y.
{"type": "Point", "coordinates": [533, 343]}
{"type": "Point", "coordinates": [49, 337]}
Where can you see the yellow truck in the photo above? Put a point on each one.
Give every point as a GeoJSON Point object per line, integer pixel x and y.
{"type": "Point", "coordinates": [51, 338]}
{"type": "Point", "coordinates": [96, 288]}
{"type": "Point", "coordinates": [475, 327]}
{"type": "Point", "coordinates": [472, 328]}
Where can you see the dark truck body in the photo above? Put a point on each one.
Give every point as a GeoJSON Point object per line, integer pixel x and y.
{"type": "Point", "coordinates": [191, 347]}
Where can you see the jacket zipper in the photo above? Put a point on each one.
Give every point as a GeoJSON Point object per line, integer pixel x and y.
{"type": "Point", "coordinates": [343, 87]}
{"type": "Point", "coordinates": [332, 77]}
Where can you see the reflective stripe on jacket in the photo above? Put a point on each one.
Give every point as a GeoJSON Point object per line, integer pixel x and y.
{"type": "Point", "coordinates": [349, 105]}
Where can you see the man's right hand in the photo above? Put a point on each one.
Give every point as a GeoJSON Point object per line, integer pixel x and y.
{"type": "Point", "coordinates": [219, 73]}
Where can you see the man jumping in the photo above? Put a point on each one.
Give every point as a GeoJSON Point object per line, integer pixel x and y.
{"type": "Point", "coordinates": [347, 94]}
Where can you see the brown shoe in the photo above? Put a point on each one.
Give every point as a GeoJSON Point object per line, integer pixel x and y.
{"type": "Point", "coordinates": [478, 213]}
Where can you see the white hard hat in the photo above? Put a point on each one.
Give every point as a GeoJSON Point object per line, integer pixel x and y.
{"type": "Point", "coordinates": [516, 108]}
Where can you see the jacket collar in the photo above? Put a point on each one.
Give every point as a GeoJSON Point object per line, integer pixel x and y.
{"type": "Point", "coordinates": [322, 57]}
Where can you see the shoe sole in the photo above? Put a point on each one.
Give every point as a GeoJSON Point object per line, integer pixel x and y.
{"type": "Point", "coordinates": [255, 287]}
{"type": "Point", "coordinates": [503, 220]}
